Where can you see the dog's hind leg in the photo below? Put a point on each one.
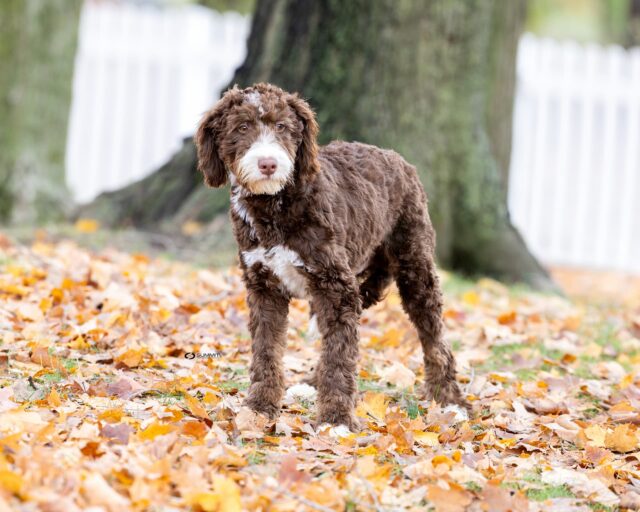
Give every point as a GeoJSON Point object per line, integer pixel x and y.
{"type": "Point", "coordinates": [419, 288]}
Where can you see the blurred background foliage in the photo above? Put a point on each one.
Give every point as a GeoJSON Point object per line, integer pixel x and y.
{"type": "Point", "coordinates": [604, 21]}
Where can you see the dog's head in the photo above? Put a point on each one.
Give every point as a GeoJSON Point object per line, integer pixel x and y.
{"type": "Point", "coordinates": [262, 138]}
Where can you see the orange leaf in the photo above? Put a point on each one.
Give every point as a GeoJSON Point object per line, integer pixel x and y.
{"type": "Point", "coordinates": [373, 404]}
{"type": "Point", "coordinates": [507, 318]}
{"type": "Point", "coordinates": [130, 358]}
{"type": "Point", "coordinates": [622, 439]}
{"type": "Point", "coordinates": [111, 415]}
{"type": "Point", "coordinates": [195, 407]}
{"type": "Point", "coordinates": [195, 429]}
{"type": "Point", "coordinates": [154, 430]}
{"type": "Point", "coordinates": [10, 481]}
{"type": "Point", "coordinates": [54, 398]}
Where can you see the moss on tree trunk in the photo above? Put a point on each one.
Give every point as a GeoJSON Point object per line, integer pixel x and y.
{"type": "Point", "coordinates": [426, 78]}
{"type": "Point", "coordinates": [37, 50]}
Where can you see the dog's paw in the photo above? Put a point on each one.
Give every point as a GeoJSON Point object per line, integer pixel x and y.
{"type": "Point", "coordinates": [448, 394]}
{"type": "Point", "coordinates": [337, 418]}
{"type": "Point", "coordinates": [270, 410]}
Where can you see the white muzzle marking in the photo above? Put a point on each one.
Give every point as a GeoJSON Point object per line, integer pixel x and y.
{"type": "Point", "coordinates": [266, 146]}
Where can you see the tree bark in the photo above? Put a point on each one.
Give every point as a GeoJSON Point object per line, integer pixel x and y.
{"type": "Point", "coordinates": [37, 49]}
{"type": "Point", "coordinates": [426, 78]}
{"type": "Point", "coordinates": [633, 30]}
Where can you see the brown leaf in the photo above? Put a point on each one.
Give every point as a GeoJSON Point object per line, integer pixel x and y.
{"type": "Point", "coordinates": [499, 499]}
{"type": "Point", "coordinates": [42, 357]}
{"type": "Point", "coordinates": [119, 432]}
{"type": "Point", "coordinates": [623, 439]}
{"type": "Point", "coordinates": [92, 449]}
{"type": "Point", "coordinates": [289, 472]}
{"type": "Point", "coordinates": [454, 499]}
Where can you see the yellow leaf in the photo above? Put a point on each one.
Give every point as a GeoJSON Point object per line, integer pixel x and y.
{"type": "Point", "coordinates": [471, 298]}
{"type": "Point", "coordinates": [373, 404]}
{"type": "Point", "coordinates": [426, 438]}
{"type": "Point", "coordinates": [367, 450]}
{"type": "Point", "coordinates": [10, 481]}
{"type": "Point", "coordinates": [130, 358]}
{"type": "Point", "coordinates": [154, 430]}
{"type": "Point", "coordinates": [211, 399]}
{"type": "Point", "coordinates": [325, 492]}
{"type": "Point", "coordinates": [228, 494]}
{"type": "Point", "coordinates": [207, 501]}
{"type": "Point", "coordinates": [627, 380]}
{"type": "Point", "coordinates": [622, 439]}
{"type": "Point", "coordinates": [87, 225]}
{"type": "Point", "coordinates": [45, 304]}
{"type": "Point", "coordinates": [596, 434]}
{"type": "Point", "coordinates": [377, 474]}
{"type": "Point", "coordinates": [195, 407]}
{"type": "Point", "coordinates": [441, 459]}
{"type": "Point", "coordinates": [390, 338]}
{"type": "Point", "coordinates": [79, 343]}
{"type": "Point", "coordinates": [54, 398]}
{"type": "Point", "coordinates": [111, 415]}
{"type": "Point", "coordinates": [13, 289]}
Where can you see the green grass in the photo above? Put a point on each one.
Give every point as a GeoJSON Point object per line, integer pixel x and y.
{"type": "Point", "coordinates": [52, 377]}
{"type": "Point", "coordinates": [549, 492]}
{"type": "Point", "coordinates": [411, 406]}
{"type": "Point", "coordinates": [367, 385]}
{"type": "Point", "coordinates": [231, 385]}
{"type": "Point", "coordinates": [599, 507]}
{"type": "Point", "coordinates": [473, 487]}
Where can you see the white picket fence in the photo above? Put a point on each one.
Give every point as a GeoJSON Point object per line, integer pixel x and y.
{"type": "Point", "coordinates": [575, 169]}
{"type": "Point", "coordinates": [143, 77]}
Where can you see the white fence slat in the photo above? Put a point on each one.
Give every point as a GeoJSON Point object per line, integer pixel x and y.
{"type": "Point", "coordinates": [575, 166]}
{"type": "Point", "coordinates": [584, 159]}
{"type": "Point", "coordinates": [144, 75]}
{"type": "Point", "coordinates": [629, 212]}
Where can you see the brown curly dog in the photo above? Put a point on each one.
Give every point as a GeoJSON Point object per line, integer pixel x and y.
{"type": "Point", "coordinates": [332, 224]}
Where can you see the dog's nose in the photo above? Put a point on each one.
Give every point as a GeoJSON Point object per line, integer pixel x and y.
{"type": "Point", "coordinates": [267, 166]}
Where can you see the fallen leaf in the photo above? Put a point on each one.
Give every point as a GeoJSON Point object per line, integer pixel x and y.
{"type": "Point", "coordinates": [453, 499]}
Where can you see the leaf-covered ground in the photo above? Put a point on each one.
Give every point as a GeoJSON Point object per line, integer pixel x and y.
{"type": "Point", "coordinates": [99, 407]}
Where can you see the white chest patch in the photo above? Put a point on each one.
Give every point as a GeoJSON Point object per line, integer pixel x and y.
{"type": "Point", "coordinates": [284, 263]}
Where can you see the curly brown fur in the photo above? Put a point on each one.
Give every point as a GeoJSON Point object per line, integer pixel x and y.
{"type": "Point", "coordinates": [334, 225]}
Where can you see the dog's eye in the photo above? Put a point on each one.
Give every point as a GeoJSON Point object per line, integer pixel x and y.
{"type": "Point", "coordinates": [243, 127]}
{"type": "Point", "coordinates": [280, 127]}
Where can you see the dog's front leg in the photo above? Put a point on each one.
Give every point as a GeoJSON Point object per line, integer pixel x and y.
{"type": "Point", "coordinates": [336, 302]}
{"type": "Point", "coordinates": [268, 309]}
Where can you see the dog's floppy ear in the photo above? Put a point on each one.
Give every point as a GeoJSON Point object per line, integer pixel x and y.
{"type": "Point", "coordinates": [307, 155]}
{"type": "Point", "coordinates": [209, 162]}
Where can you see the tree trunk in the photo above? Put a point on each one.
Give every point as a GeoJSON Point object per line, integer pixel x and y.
{"type": "Point", "coordinates": [37, 50]}
{"type": "Point", "coordinates": [425, 78]}
{"type": "Point", "coordinates": [633, 31]}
